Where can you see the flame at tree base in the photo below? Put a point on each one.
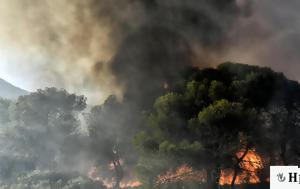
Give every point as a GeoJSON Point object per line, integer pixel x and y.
{"type": "Point", "coordinates": [110, 183]}
{"type": "Point", "coordinates": [249, 166]}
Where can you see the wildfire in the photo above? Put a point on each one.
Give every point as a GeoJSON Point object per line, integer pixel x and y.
{"type": "Point", "coordinates": [112, 167]}
{"type": "Point", "coordinates": [109, 183]}
{"type": "Point", "coordinates": [131, 184]}
{"type": "Point", "coordinates": [183, 173]}
{"type": "Point", "coordinates": [250, 166]}
{"type": "Point", "coordinates": [92, 174]}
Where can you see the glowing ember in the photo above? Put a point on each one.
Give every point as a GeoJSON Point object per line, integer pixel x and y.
{"type": "Point", "coordinates": [132, 184]}
{"type": "Point", "coordinates": [250, 166]}
{"type": "Point", "coordinates": [183, 173]}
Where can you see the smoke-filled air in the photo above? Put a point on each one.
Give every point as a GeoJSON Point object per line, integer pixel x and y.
{"type": "Point", "coordinates": [148, 94]}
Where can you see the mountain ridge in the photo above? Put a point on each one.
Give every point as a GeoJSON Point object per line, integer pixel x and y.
{"type": "Point", "coordinates": [9, 91]}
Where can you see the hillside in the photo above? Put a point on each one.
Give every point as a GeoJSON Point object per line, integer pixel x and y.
{"type": "Point", "coordinates": [9, 91]}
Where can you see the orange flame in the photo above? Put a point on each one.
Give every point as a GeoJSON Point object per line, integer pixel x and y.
{"type": "Point", "coordinates": [130, 184]}
{"type": "Point", "coordinates": [109, 183]}
{"type": "Point", "coordinates": [183, 173]}
{"type": "Point", "coordinates": [250, 166]}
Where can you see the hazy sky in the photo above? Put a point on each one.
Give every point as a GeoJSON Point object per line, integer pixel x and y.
{"type": "Point", "coordinates": [54, 43]}
{"type": "Point", "coordinates": [57, 43]}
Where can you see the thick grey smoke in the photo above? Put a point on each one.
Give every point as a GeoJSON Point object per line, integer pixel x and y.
{"type": "Point", "coordinates": [270, 36]}
{"type": "Point", "coordinates": [55, 43]}
{"type": "Point", "coordinates": [171, 36]}
{"type": "Point", "coordinates": [103, 47]}
{"type": "Point", "coordinates": [74, 44]}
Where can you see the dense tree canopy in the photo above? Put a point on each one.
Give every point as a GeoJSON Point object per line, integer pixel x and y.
{"type": "Point", "coordinates": [207, 120]}
{"type": "Point", "coordinates": [42, 133]}
{"type": "Point", "coordinates": [215, 113]}
{"type": "Point", "coordinates": [4, 111]}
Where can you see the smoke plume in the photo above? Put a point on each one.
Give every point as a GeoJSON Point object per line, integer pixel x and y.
{"type": "Point", "coordinates": [133, 49]}
{"type": "Point", "coordinates": [269, 36]}
{"type": "Point", "coordinates": [101, 47]}
{"type": "Point", "coordinates": [75, 44]}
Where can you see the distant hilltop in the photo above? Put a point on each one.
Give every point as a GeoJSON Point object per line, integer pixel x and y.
{"type": "Point", "coordinates": [9, 91]}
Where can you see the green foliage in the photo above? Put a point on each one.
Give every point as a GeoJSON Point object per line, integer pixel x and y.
{"type": "Point", "coordinates": [52, 180]}
{"type": "Point", "coordinates": [165, 104]}
{"type": "Point", "coordinates": [196, 95]}
{"type": "Point", "coordinates": [111, 129]}
{"type": "Point", "coordinates": [186, 146]}
{"type": "Point", "coordinates": [225, 115]}
{"type": "Point", "coordinates": [200, 121]}
{"type": "Point", "coordinates": [43, 132]}
{"type": "Point", "coordinates": [4, 111]}
{"type": "Point", "coordinates": [213, 113]}
{"type": "Point", "coordinates": [217, 90]}
{"type": "Point", "coordinates": [219, 127]}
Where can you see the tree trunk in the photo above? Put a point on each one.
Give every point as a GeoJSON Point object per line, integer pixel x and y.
{"type": "Point", "coordinates": [237, 167]}
{"type": "Point", "coordinates": [117, 165]}
{"type": "Point", "coordinates": [285, 138]}
{"type": "Point", "coordinates": [232, 185]}
{"type": "Point", "coordinates": [119, 173]}
{"type": "Point", "coordinates": [213, 178]}
{"type": "Point", "coordinates": [283, 143]}
{"type": "Point", "coordinates": [209, 179]}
